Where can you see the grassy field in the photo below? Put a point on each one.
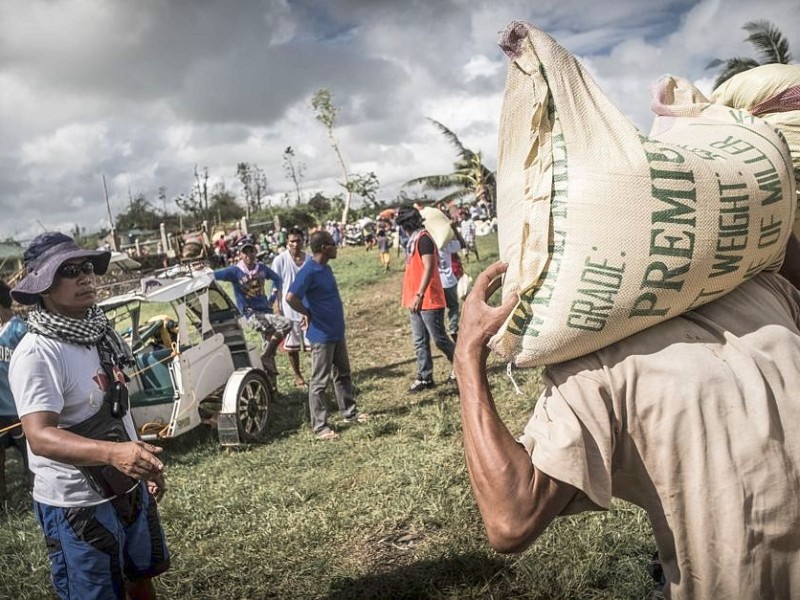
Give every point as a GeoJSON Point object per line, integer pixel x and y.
{"type": "Point", "coordinates": [384, 511]}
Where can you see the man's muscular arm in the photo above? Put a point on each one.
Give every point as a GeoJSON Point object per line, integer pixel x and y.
{"type": "Point", "coordinates": [137, 458]}
{"type": "Point", "coordinates": [516, 500]}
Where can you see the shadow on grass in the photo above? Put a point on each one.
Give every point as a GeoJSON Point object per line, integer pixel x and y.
{"type": "Point", "coordinates": [422, 579]}
{"type": "Point", "coordinates": [384, 371]}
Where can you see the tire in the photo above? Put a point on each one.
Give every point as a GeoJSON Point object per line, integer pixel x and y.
{"type": "Point", "coordinates": [253, 398]}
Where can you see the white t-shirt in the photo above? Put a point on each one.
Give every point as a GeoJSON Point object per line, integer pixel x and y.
{"type": "Point", "coordinates": [468, 230]}
{"type": "Point", "coordinates": [695, 420]}
{"type": "Point", "coordinates": [284, 265]}
{"type": "Point", "coordinates": [446, 263]}
{"type": "Point", "coordinates": [49, 375]}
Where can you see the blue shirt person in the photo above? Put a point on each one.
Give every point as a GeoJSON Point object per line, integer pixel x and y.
{"type": "Point", "coordinates": [316, 285]}
{"type": "Point", "coordinates": [315, 295]}
{"type": "Point", "coordinates": [12, 330]}
{"type": "Point", "coordinates": [248, 277]}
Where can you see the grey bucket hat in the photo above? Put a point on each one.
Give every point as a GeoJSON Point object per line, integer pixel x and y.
{"type": "Point", "coordinates": [44, 255]}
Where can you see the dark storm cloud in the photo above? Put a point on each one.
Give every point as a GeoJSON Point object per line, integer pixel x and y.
{"type": "Point", "coordinates": [144, 91]}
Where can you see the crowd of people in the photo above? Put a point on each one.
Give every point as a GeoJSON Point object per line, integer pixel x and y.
{"type": "Point", "coordinates": [429, 288]}
{"type": "Point", "coordinates": [690, 419]}
{"type": "Point", "coordinates": [63, 394]}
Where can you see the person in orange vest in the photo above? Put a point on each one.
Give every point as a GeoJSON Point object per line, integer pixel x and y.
{"type": "Point", "coordinates": [424, 297]}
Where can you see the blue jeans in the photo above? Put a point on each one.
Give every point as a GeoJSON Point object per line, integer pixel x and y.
{"type": "Point", "coordinates": [427, 324]}
{"type": "Point", "coordinates": [453, 309]}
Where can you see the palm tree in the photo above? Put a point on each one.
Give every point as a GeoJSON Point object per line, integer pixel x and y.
{"type": "Point", "coordinates": [772, 46]}
{"type": "Point", "coordinates": [470, 177]}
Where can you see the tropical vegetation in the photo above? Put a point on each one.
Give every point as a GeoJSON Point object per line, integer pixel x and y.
{"type": "Point", "coordinates": [769, 41]}
{"type": "Point", "coordinates": [470, 180]}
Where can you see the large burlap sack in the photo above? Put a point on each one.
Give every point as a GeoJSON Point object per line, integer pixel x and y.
{"type": "Point", "coordinates": [608, 231]}
{"type": "Point", "coordinates": [771, 92]}
{"type": "Point", "coordinates": [760, 90]}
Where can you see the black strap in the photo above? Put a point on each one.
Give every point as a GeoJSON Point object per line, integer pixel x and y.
{"type": "Point", "coordinates": [117, 393]}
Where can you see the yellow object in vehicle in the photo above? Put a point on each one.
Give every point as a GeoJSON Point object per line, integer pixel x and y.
{"type": "Point", "coordinates": [167, 334]}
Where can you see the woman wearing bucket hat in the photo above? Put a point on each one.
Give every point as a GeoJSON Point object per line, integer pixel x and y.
{"type": "Point", "coordinates": [98, 517]}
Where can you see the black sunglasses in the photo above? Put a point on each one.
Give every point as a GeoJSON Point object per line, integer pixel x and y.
{"type": "Point", "coordinates": [72, 270]}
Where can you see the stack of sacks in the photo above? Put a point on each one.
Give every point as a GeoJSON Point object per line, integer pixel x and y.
{"type": "Point", "coordinates": [770, 92]}
{"type": "Point", "coordinates": [607, 231]}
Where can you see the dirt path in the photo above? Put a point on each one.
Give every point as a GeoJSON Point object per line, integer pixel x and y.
{"type": "Point", "coordinates": [378, 333]}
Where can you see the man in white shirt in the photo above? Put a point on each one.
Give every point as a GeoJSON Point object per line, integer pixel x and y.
{"type": "Point", "coordinates": [95, 483]}
{"type": "Point", "coordinates": [287, 264]}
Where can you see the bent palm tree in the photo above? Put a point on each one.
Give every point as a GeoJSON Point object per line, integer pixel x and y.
{"type": "Point", "coordinates": [772, 45]}
{"type": "Point", "coordinates": [470, 176]}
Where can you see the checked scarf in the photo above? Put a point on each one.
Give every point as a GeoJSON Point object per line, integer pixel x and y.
{"type": "Point", "coordinates": [93, 330]}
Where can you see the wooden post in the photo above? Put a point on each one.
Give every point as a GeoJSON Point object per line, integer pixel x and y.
{"type": "Point", "coordinates": [110, 218]}
{"type": "Point", "coordinates": [164, 244]}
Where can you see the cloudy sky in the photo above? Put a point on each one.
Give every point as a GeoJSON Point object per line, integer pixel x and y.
{"type": "Point", "coordinates": [143, 91]}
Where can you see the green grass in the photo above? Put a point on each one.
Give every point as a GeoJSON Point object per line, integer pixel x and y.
{"type": "Point", "coordinates": [384, 511]}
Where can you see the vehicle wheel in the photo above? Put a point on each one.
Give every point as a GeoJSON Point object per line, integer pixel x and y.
{"type": "Point", "coordinates": [253, 398]}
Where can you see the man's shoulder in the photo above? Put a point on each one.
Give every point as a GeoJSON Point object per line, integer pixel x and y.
{"type": "Point", "coordinates": [762, 306]}
{"type": "Point", "coordinates": [425, 241]}
{"type": "Point", "coordinates": [13, 331]}
{"type": "Point", "coordinates": [310, 266]}
{"type": "Point", "coordinates": [37, 348]}
{"type": "Point", "coordinates": [280, 260]}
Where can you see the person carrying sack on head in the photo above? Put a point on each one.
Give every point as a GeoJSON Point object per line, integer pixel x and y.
{"type": "Point", "coordinates": [424, 298]}
{"type": "Point", "coordinates": [95, 483]}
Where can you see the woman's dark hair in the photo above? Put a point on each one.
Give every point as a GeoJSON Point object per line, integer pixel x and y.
{"type": "Point", "coordinates": [408, 218]}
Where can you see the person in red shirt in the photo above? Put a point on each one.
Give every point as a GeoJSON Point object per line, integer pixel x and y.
{"type": "Point", "coordinates": [221, 250]}
{"type": "Point", "coordinates": [424, 297]}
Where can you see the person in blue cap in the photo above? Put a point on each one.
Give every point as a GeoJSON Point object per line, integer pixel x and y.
{"type": "Point", "coordinates": [249, 276]}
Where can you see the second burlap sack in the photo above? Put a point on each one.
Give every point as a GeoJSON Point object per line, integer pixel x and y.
{"type": "Point", "coordinates": [772, 93]}
{"type": "Point", "coordinates": [607, 231]}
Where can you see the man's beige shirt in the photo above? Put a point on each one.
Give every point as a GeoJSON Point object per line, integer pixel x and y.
{"type": "Point", "coordinates": [697, 420]}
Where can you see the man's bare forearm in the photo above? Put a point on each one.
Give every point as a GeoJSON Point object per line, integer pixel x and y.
{"type": "Point", "coordinates": [516, 501]}
{"type": "Point", "coordinates": [136, 458]}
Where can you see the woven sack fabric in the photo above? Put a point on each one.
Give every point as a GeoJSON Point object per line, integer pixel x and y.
{"type": "Point", "coordinates": [760, 90]}
{"type": "Point", "coordinates": [608, 231]}
{"type": "Point", "coordinates": [771, 92]}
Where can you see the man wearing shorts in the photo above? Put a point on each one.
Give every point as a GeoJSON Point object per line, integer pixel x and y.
{"type": "Point", "coordinates": [95, 483]}
{"type": "Point", "coordinates": [286, 265]}
{"type": "Point", "coordinates": [248, 277]}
